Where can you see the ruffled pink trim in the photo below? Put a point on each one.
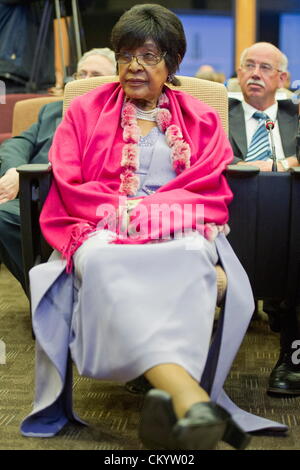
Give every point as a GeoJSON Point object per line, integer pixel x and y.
{"type": "Point", "coordinates": [132, 133]}
{"type": "Point", "coordinates": [180, 150]}
{"type": "Point", "coordinates": [163, 119]}
{"type": "Point", "coordinates": [181, 154]}
{"type": "Point", "coordinates": [78, 235]}
{"type": "Point", "coordinates": [173, 133]}
{"type": "Point", "coordinates": [128, 115]}
{"type": "Point", "coordinates": [163, 101]}
{"type": "Point", "coordinates": [130, 157]}
{"type": "Point", "coordinates": [129, 183]}
{"type": "Point", "coordinates": [211, 231]}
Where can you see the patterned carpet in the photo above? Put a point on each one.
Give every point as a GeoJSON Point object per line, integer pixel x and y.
{"type": "Point", "coordinates": [113, 413]}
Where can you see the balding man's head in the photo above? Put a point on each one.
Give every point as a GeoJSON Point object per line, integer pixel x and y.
{"type": "Point", "coordinates": [279, 57]}
{"type": "Point", "coordinates": [262, 71]}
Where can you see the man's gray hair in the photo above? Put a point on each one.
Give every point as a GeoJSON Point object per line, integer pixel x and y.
{"type": "Point", "coordinates": [104, 51]}
{"type": "Point", "coordinates": [283, 65]}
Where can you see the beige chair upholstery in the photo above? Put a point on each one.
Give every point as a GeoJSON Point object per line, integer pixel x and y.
{"type": "Point", "coordinates": [26, 112]}
{"type": "Point", "coordinates": [212, 93]}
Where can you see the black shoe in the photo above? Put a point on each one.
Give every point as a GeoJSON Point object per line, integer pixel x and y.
{"type": "Point", "coordinates": [138, 386]}
{"type": "Point", "coordinates": [284, 379]}
{"type": "Point", "coordinates": [204, 425]}
{"type": "Point", "coordinates": [274, 311]}
{"type": "Point", "coordinates": [274, 322]}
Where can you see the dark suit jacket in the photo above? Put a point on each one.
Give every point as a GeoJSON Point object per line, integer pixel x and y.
{"type": "Point", "coordinates": [287, 121]}
{"type": "Point", "coordinates": [33, 145]}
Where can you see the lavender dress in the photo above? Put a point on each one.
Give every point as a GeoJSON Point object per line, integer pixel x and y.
{"type": "Point", "coordinates": [127, 308]}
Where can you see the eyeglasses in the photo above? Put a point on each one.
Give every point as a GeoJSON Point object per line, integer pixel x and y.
{"type": "Point", "coordinates": [145, 60]}
{"type": "Point", "coordinates": [265, 69]}
{"type": "Point", "coordinates": [80, 75]}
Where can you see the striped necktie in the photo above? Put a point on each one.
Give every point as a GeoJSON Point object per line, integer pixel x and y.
{"type": "Point", "coordinates": [259, 148]}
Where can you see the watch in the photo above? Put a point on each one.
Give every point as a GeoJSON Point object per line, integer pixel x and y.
{"type": "Point", "coordinates": [284, 162]}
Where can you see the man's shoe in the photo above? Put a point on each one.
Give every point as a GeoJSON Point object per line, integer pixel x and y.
{"type": "Point", "coordinates": [204, 425]}
{"type": "Point", "coordinates": [274, 322]}
{"type": "Point", "coordinates": [284, 379]}
{"type": "Point", "coordinates": [273, 309]}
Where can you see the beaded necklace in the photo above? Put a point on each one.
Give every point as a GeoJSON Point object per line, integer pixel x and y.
{"type": "Point", "coordinates": [146, 115]}
{"type": "Point", "coordinates": [180, 150]}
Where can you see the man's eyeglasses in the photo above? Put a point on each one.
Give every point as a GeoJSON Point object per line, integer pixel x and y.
{"type": "Point", "coordinates": [80, 75]}
{"type": "Point", "coordinates": [145, 60]}
{"type": "Point", "coordinates": [265, 69]}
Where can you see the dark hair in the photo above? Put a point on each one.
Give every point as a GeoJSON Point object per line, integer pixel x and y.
{"type": "Point", "coordinates": [151, 21]}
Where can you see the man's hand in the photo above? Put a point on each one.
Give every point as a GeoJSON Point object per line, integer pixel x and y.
{"type": "Point", "coordinates": [266, 165]}
{"type": "Point", "coordinates": [9, 185]}
{"type": "Point", "coordinates": [263, 165]}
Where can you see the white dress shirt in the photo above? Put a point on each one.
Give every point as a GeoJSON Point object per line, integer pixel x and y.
{"type": "Point", "coordinates": [252, 124]}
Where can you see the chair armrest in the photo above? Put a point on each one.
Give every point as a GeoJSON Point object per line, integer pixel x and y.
{"type": "Point", "coordinates": [241, 171]}
{"type": "Point", "coordinates": [295, 171]}
{"type": "Point", "coordinates": [35, 175]}
{"type": "Point", "coordinates": [35, 180]}
{"type": "Point", "coordinates": [35, 168]}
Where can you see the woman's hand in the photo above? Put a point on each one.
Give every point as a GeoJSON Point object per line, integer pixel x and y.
{"type": "Point", "coordinates": [124, 214]}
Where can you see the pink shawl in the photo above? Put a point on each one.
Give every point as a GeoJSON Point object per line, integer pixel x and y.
{"type": "Point", "coordinates": [86, 155]}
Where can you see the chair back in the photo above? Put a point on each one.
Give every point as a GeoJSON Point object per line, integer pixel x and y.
{"type": "Point", "coordinates": [211, 93]}
{"type": "Point", "coordinates": [26, 112]}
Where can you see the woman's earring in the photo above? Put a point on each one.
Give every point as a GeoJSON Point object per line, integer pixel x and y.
{"type": "Point", "coordinates": [170, 77]}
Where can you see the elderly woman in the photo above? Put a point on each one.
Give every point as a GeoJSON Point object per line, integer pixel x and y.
{"type": "Point", "coordinates": [138, 211]}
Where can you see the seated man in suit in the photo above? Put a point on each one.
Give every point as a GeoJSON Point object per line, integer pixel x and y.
{"type": "Point", "coordinates": [32, 146]}
{"type": "Point", "coordinates": [262, 72]}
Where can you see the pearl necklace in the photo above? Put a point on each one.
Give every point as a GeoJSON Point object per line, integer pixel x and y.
{"type": "Point", "coordinates": [180, 150]}
{"type": "Point", "coordinates": [146, 115]}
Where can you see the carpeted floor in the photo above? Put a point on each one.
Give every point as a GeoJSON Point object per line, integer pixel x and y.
{"type": "Point", "coordinates": [113, 413]}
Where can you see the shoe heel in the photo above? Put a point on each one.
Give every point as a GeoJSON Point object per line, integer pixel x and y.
{"type": "Point", "coordinates": [157, 421]}
{"type": "Point", "coordinates": [235, 436]}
